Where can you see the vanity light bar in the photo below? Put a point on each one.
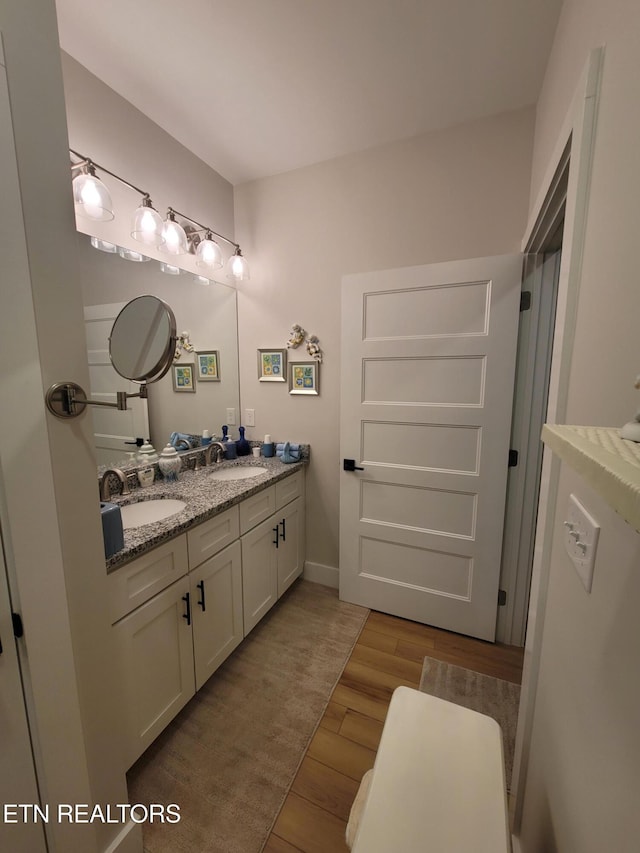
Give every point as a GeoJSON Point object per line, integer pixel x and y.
{"type": "Point", "coordinates": [95, 203]}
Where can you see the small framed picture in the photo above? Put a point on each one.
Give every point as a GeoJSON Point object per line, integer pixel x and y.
{"type": "Point", "coordinates": [303, 377]}
{"type": "Point", "coordinates": [272, 365]}
{"type": "Point", "coordinates": [184, 378]}
{"type": "Point", "coordinates": [208, 366]}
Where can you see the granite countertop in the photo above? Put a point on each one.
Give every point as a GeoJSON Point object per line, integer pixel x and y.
{"type": "Point", "coordinates": [204, 498]}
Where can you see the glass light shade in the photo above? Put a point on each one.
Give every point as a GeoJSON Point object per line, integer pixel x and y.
{"type": "Point", "coordinates": [131, 255]}
{"type": "Point", "coordinates": [209, 254]}
{"type": "Point", "coordinates": [91, 198]}
{"type": "Point", "coordinates": [169, 269]}
{"type": "Point", "coordinates": [104, 246]}
{"type": "Point", "coordinates": [237, 267]}
{"type": "Point", "coordinates": [147, 226]}
{"type": "Point", "coordinates": [175, 238]}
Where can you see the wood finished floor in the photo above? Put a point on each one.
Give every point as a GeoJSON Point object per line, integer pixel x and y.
{"type": "Point", "coordinates": [389, 653]}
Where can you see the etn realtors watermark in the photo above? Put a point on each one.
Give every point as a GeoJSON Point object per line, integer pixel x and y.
{"type": "Point", "coordinates": [86, 813]}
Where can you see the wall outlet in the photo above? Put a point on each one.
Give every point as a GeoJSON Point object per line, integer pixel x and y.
{"type": "Point", "coordinates": [581, 533]}
{"type": "Point", "coordinates": [250, 417]}
{"type": "Point", "coordinates": [231, 417]}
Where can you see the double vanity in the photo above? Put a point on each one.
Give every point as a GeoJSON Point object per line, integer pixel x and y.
{"type": "Point", "coordinates": [187, 588]}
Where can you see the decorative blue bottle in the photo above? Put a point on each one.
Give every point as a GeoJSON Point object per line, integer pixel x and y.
{"type": "Point", "coordinates": [225, 430]}
{"type": "Point", "coordinates": [242, 445]}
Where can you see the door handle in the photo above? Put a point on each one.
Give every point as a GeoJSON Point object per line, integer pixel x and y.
{"type": "Point", "coordinates": [282, 523]}
{"type": "Point", "coordinates": [187, 598]}
{"type": "Point", "coordinates": [200, 586]}
{"type": "Point", "coordinates": [350, 465]}
{"type": "Point", "coordinates": [276, 541]}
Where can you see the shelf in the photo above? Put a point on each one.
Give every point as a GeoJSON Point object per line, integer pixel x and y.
{"type": "Point", "coordinates": [610, 464]}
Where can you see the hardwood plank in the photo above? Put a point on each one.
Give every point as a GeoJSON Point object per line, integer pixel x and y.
{"type": "Point", "coordinates": [361, 729]}
{"type": "Point", "coordinates": [333, 716]}
{"type": "Point", "coordinates": [325, 787]}
{"type": "Point", "coordinates": [362, 702]}
{"type": "Point", "coordinates": [385, 662]}
{"type": "Point", "coordinates": [375, 640]}
{"type": "Point", "coordinates": [378, 684]}
{"type": "Point", "coordinates": [401, 629]}
{"type": "Point", "coordinates": [347, 757]}
{"type": "Point", "coordinates": [309, 828]}
{"type": "Point", "coordinates": [278, 845]}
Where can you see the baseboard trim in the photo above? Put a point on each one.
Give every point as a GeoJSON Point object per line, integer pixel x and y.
{"type": "Point", "coordinates": [318, 573]}
{"type": "Point", "coordinates": [128, 840]}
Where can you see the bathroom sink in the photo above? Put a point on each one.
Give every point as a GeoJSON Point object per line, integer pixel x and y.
{"type": "Point", "coordinates": [146, 512]}
{"type": "Point", "coordinates": [239, 473]}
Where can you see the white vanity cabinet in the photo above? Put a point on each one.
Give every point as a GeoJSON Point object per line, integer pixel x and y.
{"type": "Point", "coordinates": [179, 610]}
{"type": "Point", "coordinates": [273, 551]}
{"type": "Point", "coordinates": [215, 591]}
{"type": "Point", "coordinates": [152, 643]}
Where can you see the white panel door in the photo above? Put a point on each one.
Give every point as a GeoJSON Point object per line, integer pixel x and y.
{"type": "Point", "coordinates": [428, 361]}
{"type": "Point", "coordinates": [111, 427]}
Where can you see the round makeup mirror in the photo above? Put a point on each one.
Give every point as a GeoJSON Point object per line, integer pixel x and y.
{"type": "Point", "coordinates": [143, 339]}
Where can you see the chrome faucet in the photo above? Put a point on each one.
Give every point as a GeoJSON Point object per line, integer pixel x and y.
{"type": "Point", "coordinates": [105, 494]}
{"type": "Point", "coordinates": [219, 446]}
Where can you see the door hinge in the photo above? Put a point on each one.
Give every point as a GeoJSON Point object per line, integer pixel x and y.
{"type": "Point", "coordinates": [525, 300]}
{"type": "Point", "coordinates": [502, 597]}
{"type": "Point", "coordinates": [18, 628]}
{"type": "Point", "coordinates": [513, 458]}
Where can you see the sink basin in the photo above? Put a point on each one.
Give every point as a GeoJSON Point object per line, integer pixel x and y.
{"type": "Point", "coordinates": [239, 473]}
{"type": "Point", "coordinates": [146, 512]}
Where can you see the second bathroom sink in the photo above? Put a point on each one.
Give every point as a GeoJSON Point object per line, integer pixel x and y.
{"type": "Point", "coordinates": [238, 473]}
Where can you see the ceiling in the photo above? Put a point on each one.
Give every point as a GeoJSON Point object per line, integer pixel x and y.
{"type": "Point", "coordinates": [258, 87]}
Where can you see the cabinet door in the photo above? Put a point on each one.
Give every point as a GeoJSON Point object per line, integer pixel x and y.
{"type": "Point", "coordinates": [216, 596]}
{"type": "Point", "coordinates": [155, 652]}
{"type": "Point", "coordinates": [259, 572]}
{"type": "Point", "coordinates": [291, 544]}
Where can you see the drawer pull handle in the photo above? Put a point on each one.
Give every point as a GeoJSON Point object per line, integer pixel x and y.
{"type": "Point", "coordinates": [282, 523]}
{"type": "Point", "coordinates": [201, 602]}
{"type": "Point", "coordinates": [187, 598]}
{"type": "Point", "coordinates": [276, 540]}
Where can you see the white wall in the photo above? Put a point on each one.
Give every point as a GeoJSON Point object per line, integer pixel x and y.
{"type": "Point", "coordinates": [582, 782]}
{"type": "Point", "coordinates": [460, 193]}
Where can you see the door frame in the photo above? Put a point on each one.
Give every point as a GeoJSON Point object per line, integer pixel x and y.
{"type": "Point", "coordinates": [578, 130]}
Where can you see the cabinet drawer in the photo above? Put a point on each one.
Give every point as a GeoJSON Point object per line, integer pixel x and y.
{"type": "Point", "coordinates": [255, 509]}
{"type": "Point", "coordinates": [289, 489]}
{"type": "Point", "coordinates": [136, 582]}
{"type": "Point", "coordinates": [212, 536]}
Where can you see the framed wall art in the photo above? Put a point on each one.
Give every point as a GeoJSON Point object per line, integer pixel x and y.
{"type": "Point", "coordinates": [304, 377]}
{"type": "Point", "coordinates": [272, 365]}
{"type": "Point", "coordinates": [184, 378]}
{"type": "Point", "coordinates": [208, 366]}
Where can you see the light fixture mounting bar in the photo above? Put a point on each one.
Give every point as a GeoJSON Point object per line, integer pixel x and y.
{"type": "Point", "coordinates": [205, 227]}
{"type": "Point", "coordinates": [84, 160]}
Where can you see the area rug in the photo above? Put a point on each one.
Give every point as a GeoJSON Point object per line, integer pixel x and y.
{"type": "Point", "coordinates": [491, 696]}
{"type": "Point", "coordinates": [230, 756]}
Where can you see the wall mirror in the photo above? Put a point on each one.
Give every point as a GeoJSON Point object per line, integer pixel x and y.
{"type": "Point", "coordinates": [206, 312]}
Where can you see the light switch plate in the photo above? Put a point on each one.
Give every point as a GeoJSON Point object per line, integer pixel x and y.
{"type": "Point", "coordinates": [231, 417]}
{"type": "Point", "coordinates": [581, 533]}
{"type": "Point", "coordinates": [250, 417]}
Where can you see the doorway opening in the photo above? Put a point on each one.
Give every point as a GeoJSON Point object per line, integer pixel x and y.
{"type": "Point", "coordinates": [533, 370]}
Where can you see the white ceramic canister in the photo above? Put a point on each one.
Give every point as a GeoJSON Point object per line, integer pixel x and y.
{"type": "Point", "coordinates": [170, 463]}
